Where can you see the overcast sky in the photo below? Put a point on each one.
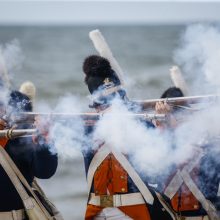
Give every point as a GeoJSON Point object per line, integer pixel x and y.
{"type": "Point", "coordinates": [90, 12]}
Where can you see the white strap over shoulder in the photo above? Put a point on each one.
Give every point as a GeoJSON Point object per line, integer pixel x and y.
{"type": "Point", "coordinates": [134, 176]}
{"type": "Point", "coordinates": [15, 180]}
{"type": "Point", "coordinates": [98, 158]}
{"type": "Point", "coordinates": [184, 176]}
{"type": "Point", "coordinates": [206, 204]}
{"type": "Point", "coordinates": [177, 180]}
{"type": "Point", "coordinates": [174, 185]}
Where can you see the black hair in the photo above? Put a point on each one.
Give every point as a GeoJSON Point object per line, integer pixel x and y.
{"type": "Point", "coordinates": [172, 92]}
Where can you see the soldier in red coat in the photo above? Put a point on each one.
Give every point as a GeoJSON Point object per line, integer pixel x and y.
{"type": "Point", "coordinates": [192, 187]}
{"type": "Point", "coordinates": [116, 189]}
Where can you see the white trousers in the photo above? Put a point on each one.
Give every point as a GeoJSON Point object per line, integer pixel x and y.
{"type": "Point", "coordinates": [112, 214]}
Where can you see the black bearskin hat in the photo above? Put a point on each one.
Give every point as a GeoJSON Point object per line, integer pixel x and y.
{"type": "Point", "coordinates": [19, 102]}
{"type": "Point", "coordinates": [103, 83]}
{"type": "Point", "coordinates": [97, 69]}
{"type": "Point", "coordinates": [96, 66]}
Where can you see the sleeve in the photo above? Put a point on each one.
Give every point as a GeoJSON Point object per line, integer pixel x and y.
{"type": "Point", "coordinates": [45, 160]}
{"type": "Point", "coordinates": [148, 124]}
{"type": "Point", "coordinates": [209, 179]}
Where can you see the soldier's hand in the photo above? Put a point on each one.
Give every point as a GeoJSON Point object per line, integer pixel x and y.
{"type": "Point", "coordinates": [165, 108]}
{"type": "Point", "coordinates": [162, 108]}
{"type": "Point", "coordinates": [42, 125]}
{"type": "Point", "coordinates": [3, 124]}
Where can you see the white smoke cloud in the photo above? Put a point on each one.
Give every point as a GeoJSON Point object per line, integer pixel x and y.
{"type": "Point", "coordinates": [199, 55]}
{"type": "Point", "coordinates": [147, 147]}
{"type": "Point", "coordinates": [11, 59]}
{"type": "Point", "coordinates": [152, 151]}
{"type": "Point", "coordinates": [67, 129]}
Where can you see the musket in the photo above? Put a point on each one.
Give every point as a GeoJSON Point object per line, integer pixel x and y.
{"type": "Point", "coordinates": [178, 101]}
{"type": "Point", "coordinates": [14, 133]}
{"type": "Point", "coordinates": [144, 104]}
{"type": "Point", "coordinates": [30, 116]}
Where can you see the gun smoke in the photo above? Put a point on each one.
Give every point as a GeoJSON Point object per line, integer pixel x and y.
{"type": "Point", "coordinates": [11, 59]}
{"type": "Point", "coordinates": [152, 151]}
{"type": "Point", "coordinates": [198, 55]}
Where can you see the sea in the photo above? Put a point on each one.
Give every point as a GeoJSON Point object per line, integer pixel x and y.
{"type": "Point", "coordinates": [52, 57]}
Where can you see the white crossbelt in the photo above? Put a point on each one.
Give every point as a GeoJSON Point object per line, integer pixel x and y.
{"type": "Point", "coordinates": [177, 180]}
{"type": "Point", "coordinates": [134, 176]}
{"type": "Point", "coordinates": [13, 215]}
{"type": "Point", "coordinates": [206, 204]}
{"type": "Point", "coordinates": [98, 158]}
{"type": "Point", "coordinates": [119, 199]}
{"type": "Point", "coordinates": [195, 217]}
{"type": "Point", "coordinates": [183, 176]}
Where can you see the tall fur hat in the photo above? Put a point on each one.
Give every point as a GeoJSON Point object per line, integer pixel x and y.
{"type": "Point", "coordinates": [19, 102]}
{"type": "Point", "coordinates": [97, 69]}
{"type": "Point", "coordinates": [103, 83]}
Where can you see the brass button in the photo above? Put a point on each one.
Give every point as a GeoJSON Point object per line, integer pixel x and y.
{"type": "Point", "coordinates": [122, 177]}
{"type": "Point", "coordinates": [195, 206]}
{"type": "Point", "coordinates": [122, 189]}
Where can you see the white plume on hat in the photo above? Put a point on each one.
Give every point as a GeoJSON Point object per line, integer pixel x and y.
{"type": "Point", "coordinates": [104, 50]}
{"type": "Point", "coordinates": [29, 89]}
{"type": "Point", "coordinates": [178, 80]}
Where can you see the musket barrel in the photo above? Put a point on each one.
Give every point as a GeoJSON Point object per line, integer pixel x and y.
{"type": "Point", "coordinates": [29, 117]}
{"type": "Point", "coordinates": [13, 133]}
{"type": "Point", "coordinates": [64, 116]}
{"type": "Point", "coordinates": [150, 103]}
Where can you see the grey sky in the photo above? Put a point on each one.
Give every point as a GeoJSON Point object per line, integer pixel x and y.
{"type": "Point", "coordinates": [75, 12]}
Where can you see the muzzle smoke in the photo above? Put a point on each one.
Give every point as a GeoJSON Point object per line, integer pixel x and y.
{"type": "Point", "coordinates": [152, 151]}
